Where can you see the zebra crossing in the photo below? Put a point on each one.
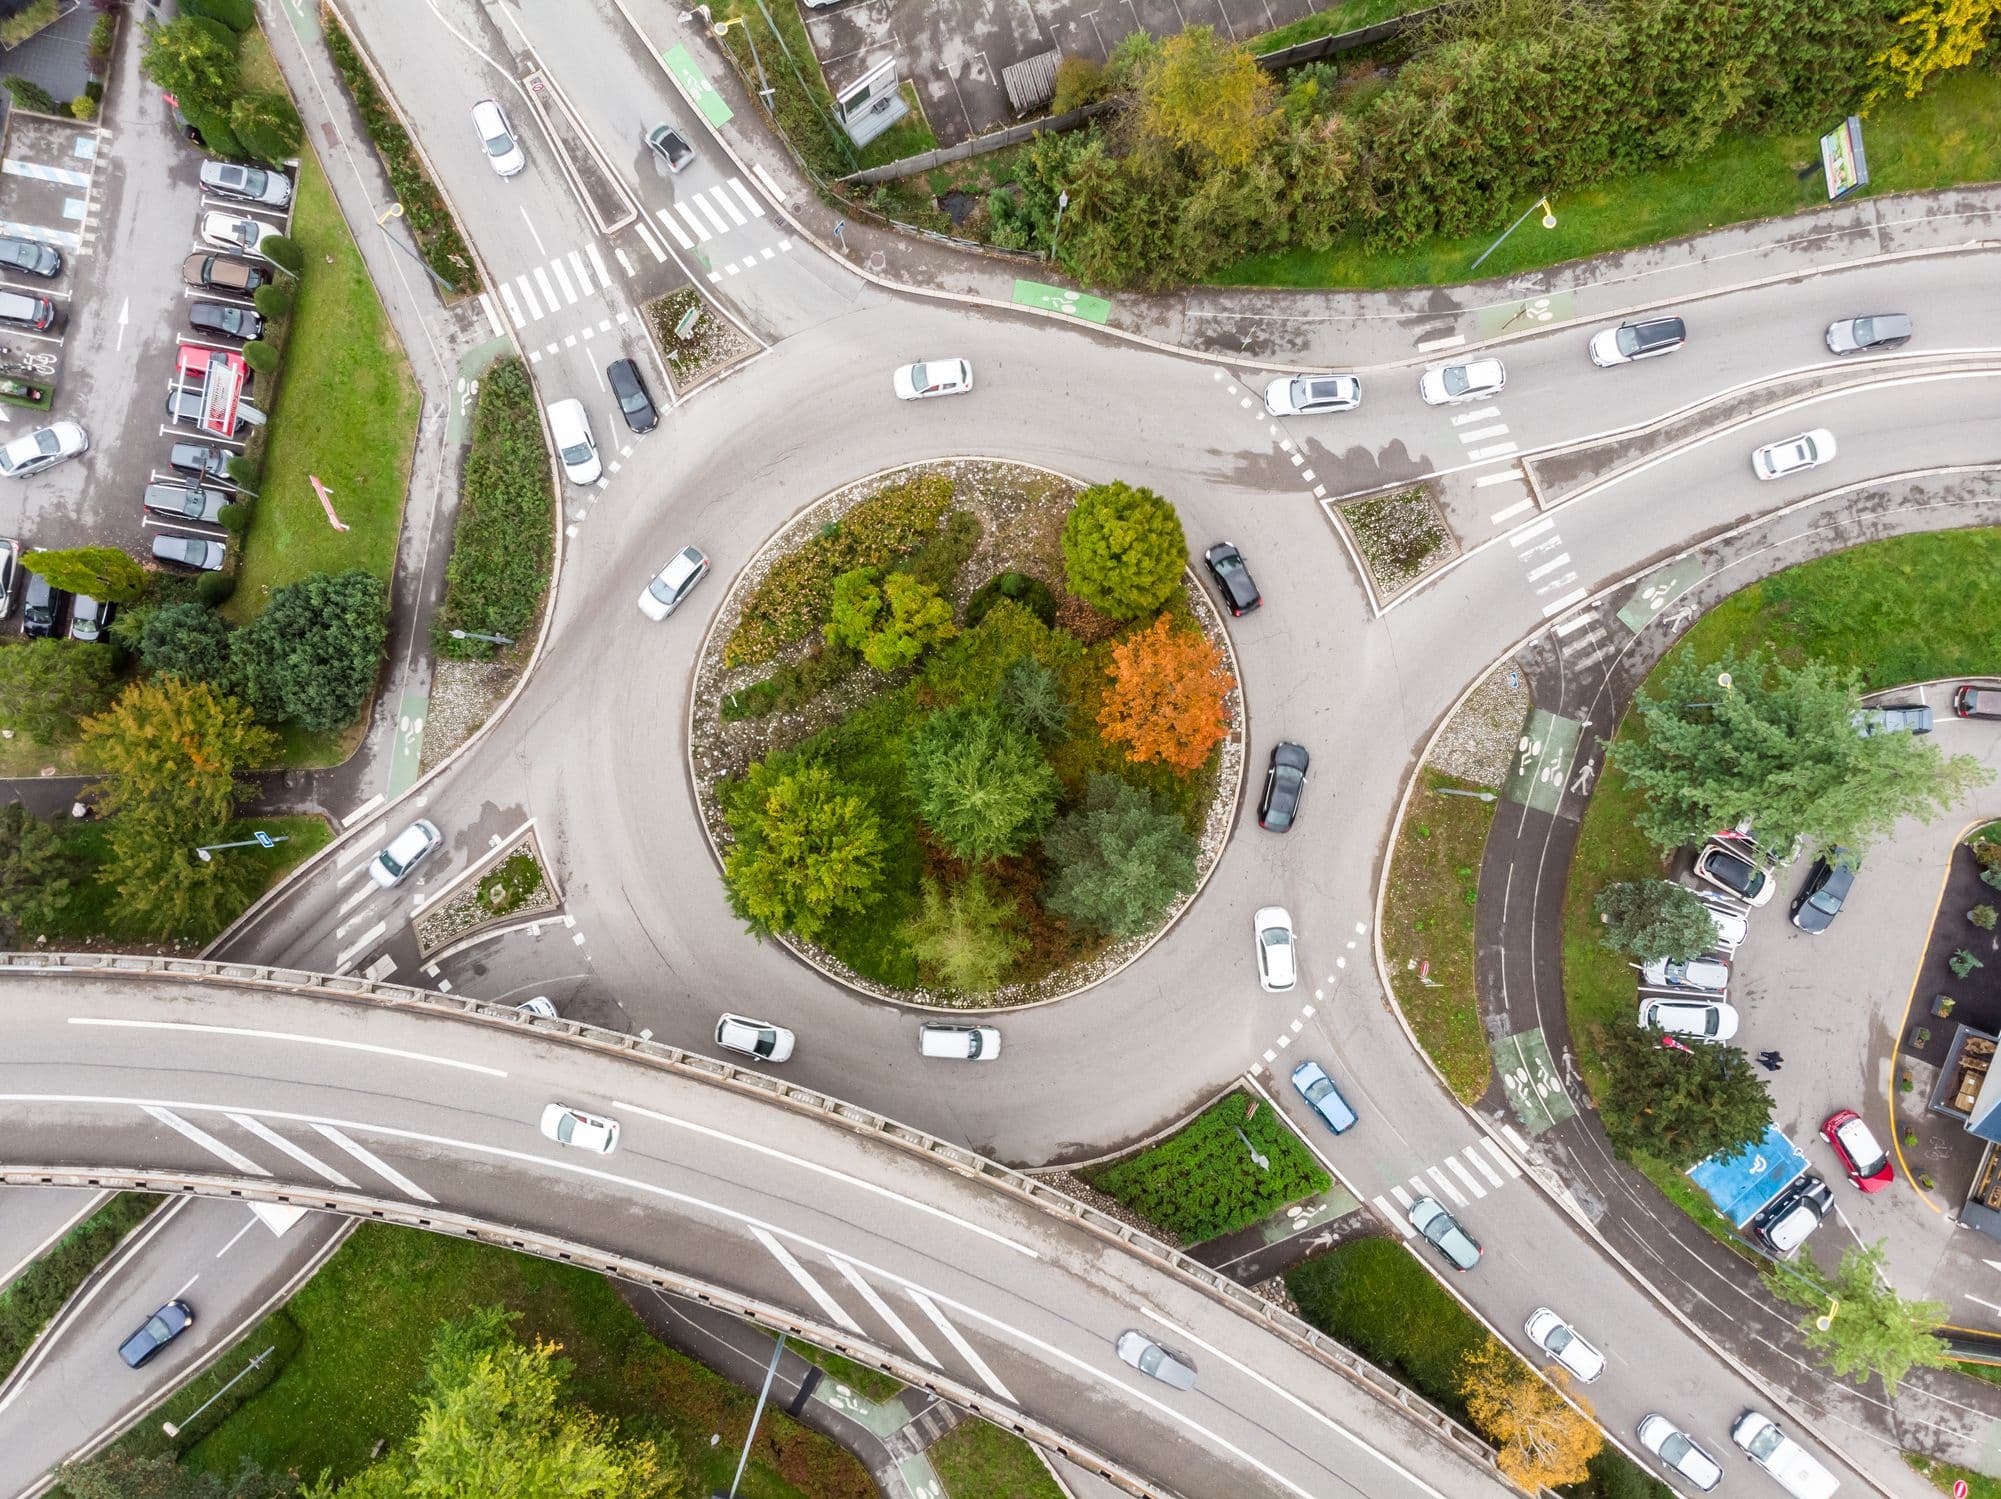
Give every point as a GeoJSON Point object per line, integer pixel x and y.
{"type": "Point", "coordinates": [1583, 640]}
{"type": "Point", "coordinates": [705, 216]}
{"type": "Point", "coordinates": [1465, 1176]}
{"type": "Point", "coordinates": [559, 283]}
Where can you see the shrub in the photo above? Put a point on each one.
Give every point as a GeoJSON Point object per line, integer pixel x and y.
{"type": "Point", "coordinates": [1119, 861]}
{"type": "Point", "coordinates": [1989, 854]}
{"type": "Point", "coordinates": [936, 564]}
{"type": "Point", "coordinates": [1982, 916]}
{"type": "Point", "coordinates": [891, 622]}
{"type": "Point", "coordinates": [30, 95]}
{"type": "Point", "coordinates": [1169, 697]}
{"type": "Point", "coordinates": [244, 471]}
{"type": "Point", "coordinates": [1030, 592]}
{"type": "Point", "coordinates": [217, 138]}
{"type": "Point", "coordinates": [502, 543]}
{"type": "Point", "coordinates": [83, 107]}
{"type": "Point", "coordinates": [283, 253]}
{"type": "Point", "coordinates": [237, 15]}
{"type": "Point", "coordinates": [268, 125]}
{"type": "Point", "coordinates": [41, 1289]}
{"type": "Point", "coordinates": [1123, 549]}
{"type": "Point", "coordinates": [981, 785]}
{"type": "Point", "coordinates": [513, 885]}
{"type": "Point", "coordinates": [966, 939]}
{"type": "Point", "coordinates": [311, 657]}
{"type": "Point", "coordinates": [261, 356]}
{"type": "Point", "coordinates": [1375, 1297]}
{"type": "Point", "coordinates": [792, 686]}
{"type": "Point", "coordinates": [194, 59]}
{"type": "Point", "coordinates": [235, 517]}
{"type": "Point", "coordinates": [97, 51]}
{"type": "Point", "coordinates": [808, 846]}
{"type": "Point", "coordinates": [1031, 698]}
{"type": "Point", "coordinates": [186, 640]}
{"type": "Point", "coordinates": [214, 589]}
{"type": "Point", "coordinates": [274, 300]}
{"type": "Point", "coordinates": [971, 667]}
{"type": "Point", "coordinates": [24, 23]}
{"type": "Point", "coordinates": [46, 686]}
{"type": "Point", "coordinates": [1079, 81]}
{"type": "Point", "coordinates": [1962, 963]}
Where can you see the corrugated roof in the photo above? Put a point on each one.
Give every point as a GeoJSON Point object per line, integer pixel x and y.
{"type": "Point", "coordinates": [1031, 83]}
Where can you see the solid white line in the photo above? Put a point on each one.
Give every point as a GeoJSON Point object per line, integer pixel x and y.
{"type": "Point", "coordinates": [539, 250]}
{"type": "Point", "coordinates": [548, 292]}
{"type": "Point", "coordinates": [1561, 560]}
{"type": "Point", "coordinates": [597, 263]}
{"type": "Point", "coordinates": [1494, 450]}
{"type": "Point", "coordinates": [1510, 513]}
{"type": "Point", "coordinates": [674, 227]}
{"type": "Point", "coordinates": [764, 177]}
{"type": "Point", "coordinates": [1565, 602]}
{"type": "Point", "coordinates": [367, 889]}
{"type": "Point", "coordinates": [492, 317]}
{"type": "Point", "coordinates": [290, 1037]}
{"type": "Point", "coordinates": [583, 275]}
{"type": "Point", "coordinates": [1481, 1161]}
{"type": "Point", "coordinates": [651, 243]}
{"type": "Point", "coordinates": [687, 215]}
{"type": "Point", "coordinates": [1450, 1190]}
{"type": "Point", "coordinates": [298, 1153]}
{"type": "Point", "coordinates": [348, 954]}
{"type": "Point", "coordinates": [376, 1164]}
{"type": "Point", "coordinates": [1505, 476]}
{"type": "Point", "coordinates": [1466, 1176]}
{"type": "Point", "coordinates": [1478, 414]}
{"type": "Point", "coordinates": [252, 1223]}
{"type": "Point", "coordinates": [207, 1141]}
{"type": "Point", "coordinates": [885, 1311]}
{"type": "Point", "coordinates": [810, 1286]}
{"type": "Point", "coordinates": [363, 810]}
{"type": "Point", "coordinates": [563, 281]}
{"type": "Point", "coordinates": [1441, 343]}
{"type": "Point", "coordinates": [528, 295]}
{"type": "Point", "coordinates": [1531, 531]}
{"type": "Point", "coordinates": [749, 200]}
{"type": "Point", "coordinates": [1564, 629]}
{"type": "Point", "coordinates": [723, 198]}
{"type": "Point", "coordinates": [965, 1349]}
{"type": "Point", "coordinates": [1478, 433]}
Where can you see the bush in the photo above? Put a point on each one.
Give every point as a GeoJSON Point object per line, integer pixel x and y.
{"type": "Point", "coordinates": [967, 939]}
{"type": "Point", "coordinates": [981, 785]}
{"type": "Point", "coordinates": [1983, 917]}
{"type": "Point", "coordinates": [244, 471]}
{"type": "Point", "coordinates": [97, 51]}
{"type": "Point", "coordinates": [791, 686]}
{"type": "Point", "coordinates": [936, 564]}
{"type": "Point", "coordinates": [217, 138]}
{"type": "Point", "coordinates": [1030, 592]}
{"type": "Point", "coordinates": [890, 621]}
{"type": "Point", "coordinates": [261, 356]}
{"type": "Point", "coordinates": [311, 657]}
{"type": "Point", "coordinates": [30, 95]}
{"type": "Point", "coordinates": [1031, 698]}
{"type": "Point", "coordinates": [971, 668]}
{"type": "Point", "coordinates": [1123, 549]}
{"type": "Point", "coordinates": [214, 589]}
{"type": "Point", "coordinates": [274, 300]}
{"type": "Point", "coordinates": [24, 23]}
{"type": "Point", "coordinates": [186, 640]}
{"type": "Point", "coordinates": [1962, 963]}
{"type": "Point", "coordinates": [283, 253]}
{"type": "Point", "coordinates": [808, 847]}
{"type": "Point", "coordinates": [1119, 861]}
{"type": "Point", "coordinates": [83, 107]}
{"type": "Point", "coordinates": [503, 541]}
{"type": "Point", "coordinates": [235, 517]}
{"type": "Point", "coordinates": [268, 125]}
{"type": "Point", "coordinates": [1376, 1298]}
{"type": "Point", "coordinates": [237, 15]}
{"type": "Point", "coordinates": [38, 1293]}
{"type": "Point", "coordinates": [1079, 81]}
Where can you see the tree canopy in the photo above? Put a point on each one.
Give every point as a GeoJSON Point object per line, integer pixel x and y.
{"type": "Point", "coordinates": [1655, 919]}
{"type": "Point", "coordinates": [1120, 860]}
{"type": "Point", "coordinates": [1123, 549]}
{"type": "Point", "coordinates": [186, 640]}
{"type": "Point", "coordinates": [1544, 1442]}
{"type": "Point", "coordinates": [104, 573]}
{"type": "Point", "coordinates": [1679, 1104]}
{"type": "Point", "coordinates": [967, 937]}
{"type": "Point", "coordinates": [38, 871]}
{"type": "Point", "coordinates": [1872, 1330]}
{"type": "Point", "coordinates": [114, 1474]}
{"type": "Point", "coordinates": [982, 785]}
{"type": "Point", "coordinates": [192, 59]}
{"type": "Point", "coordinates": [807, 846]}
{"type": "Point", "coordinates": [1169, 698]}
{"type": "Point", "coordinates": [311, 657]}
{"type": "Point", "coordinates": [891, 621]}
{"type": "Point", "coordinates": [1196, 93]}
{"type": "Point", "coordinates": [48, 686]}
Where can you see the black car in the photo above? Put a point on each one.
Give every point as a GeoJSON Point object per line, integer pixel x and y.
{"type": "Point", "coordinates": [190, 551]}
{"type": "Point", "coordinates": [168, 1323]}
{"type": "Point", "coordinates": [200, 459]}
{"type": "Point", "coordinates": [10, 574]}
{"type": "Point", "coordinates": [30, 255]}
{"type": "Point", "coordinates": [1827, 886]}
{"type": "Point", "coordinates": [1233, 579]}
{"type": "Point", "coordinates": [634, 404]}
{"type": "Point", "coordinates": [46, 612]}
{"type": "Point", "coordinates": [1285, 783]}
{"type": "Point", "coordinates": [224, 320]}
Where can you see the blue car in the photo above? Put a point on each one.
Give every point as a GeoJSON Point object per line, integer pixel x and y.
{"type": "Point", "coordinates": [168, 1323]}
{"type": "Point", "coordinates": [1318, 1089]}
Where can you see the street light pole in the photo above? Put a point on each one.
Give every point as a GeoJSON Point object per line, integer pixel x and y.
{"type": "Point", "coordinates": [749, 1436]}
{"type": "Point", "coordinates": [476, 635]}
{"type": "Point", "coordinates": [1062, 202]}
{"type": "Point", "coordinates": [395, 211]}
{"type": "Point", "coordinates": [1548, 222]}
{"type": "Point", "coordinates": [257, 840]}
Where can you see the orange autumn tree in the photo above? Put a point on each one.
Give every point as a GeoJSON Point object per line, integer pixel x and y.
{"type": "Point", "coordinates": [1544, 1441]}
{"type": "Point", "coordinates": [1169, 698]}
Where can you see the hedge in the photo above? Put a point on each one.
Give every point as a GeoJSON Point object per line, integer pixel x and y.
{"type": "Point", "coordinates": [503, 544]}
{"type": "Point", "coordinates": [38, 1292]}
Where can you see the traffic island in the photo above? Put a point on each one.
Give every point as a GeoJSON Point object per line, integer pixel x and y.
{"type": "Point", "coordinates": [507, 886]}
{"type": "Point", "coordinates": [1400, 537]}
{"type": "Point", "coordinates": [696, 344]}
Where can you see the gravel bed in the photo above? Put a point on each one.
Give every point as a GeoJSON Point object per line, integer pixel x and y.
{"type": "Point", "coordinates": [1075, 1186]}
{"type": "Point", "coordinates": [1401, 537]}
{"type": "Point", "coordinates": [713, 343]}
{"type": "Point", "coordinates": [463, 697]}
{"type": "Point", "coordinates": [464, 912]}
{"type": "Point", "coordinates": [1479, 741]}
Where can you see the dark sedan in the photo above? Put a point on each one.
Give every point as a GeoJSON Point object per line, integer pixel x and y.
{"type": "Point", "coordinates": [30, 255]}
{"type": "Point", "coordinates": [168, 1323]}
{"type": "Point", "coordinates": [1285, 784]}
{"type": "Point", "coordinates": [1827, 886]}
{"type": "Point", "coordinates": [628, 387]}
{"type": "Point", "coordinates": [1233, 578]}
{"type": "Point", "coordinates": [224, 321]}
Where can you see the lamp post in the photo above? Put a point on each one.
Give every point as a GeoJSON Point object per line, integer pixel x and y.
{"type": "Point", "coordinates": [395, 211]}
{"type": "Point", "coordinates": [1548, 222]}
{"type": "Point", "coordinates": [1478, 796]}
{"type": "Point", "coordinates": [1263, 1162]}
{"type": "Point", "coordinates": [259, 839]}
{"type": "Point", "coordinates": [762, 1395]}
{"type": "Point", "coordinates": [476, 635]}
{"type": "Point", "coordinates": [1062, 202]}
{"type": "Point", "coordinates": [716, 30]}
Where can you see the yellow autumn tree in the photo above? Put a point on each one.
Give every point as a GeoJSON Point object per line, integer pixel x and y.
{"type": "Point", "coordinates": [1933, 37]}
{"type": "Point", "coordinates": [1170, 696]}
{"type": "Point", "coordinates": [1544, 1441]}
{"type": "Point", "coordinates": [1205, 96]}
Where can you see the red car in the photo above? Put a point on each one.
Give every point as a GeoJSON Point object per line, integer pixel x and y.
{"type": "Point", "coordinates": [1867, 1163]}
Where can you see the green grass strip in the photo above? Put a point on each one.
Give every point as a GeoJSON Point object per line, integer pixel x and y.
{"type": "Point", "coordinates": [34, 1296]}
{"type": "Point", "coordinates": [977, 1460]}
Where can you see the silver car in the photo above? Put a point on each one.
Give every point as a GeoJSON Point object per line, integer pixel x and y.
{"type": "Point", "coordinates": [1560, 1341]}
{"type": "Point", "coordinates": [1464, 380]}
{"type": "Point", "coordinates": [1147, 1356]}
{"type": "Point", "coordinates": [42, 448]}
{"type": "Point", "coordinates": [1312, 395]}
{"type": "Point", "coordinates": [1678, 1453]}
{"type": "Point", "coordinates": [1442, 1231]}
{"type": "Point", "coordinates": [252, 184]}
{"type": "Point", "coordinates": [673, 583]}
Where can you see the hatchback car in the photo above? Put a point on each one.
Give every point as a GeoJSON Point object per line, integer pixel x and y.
{"type": "Point", "coordinates": [1233, 578]}
{"type": "Point", "coordinates": [1679, 1454]}
{"type": "Point", "coordinates": [1795, 455]}
{"type": "Point", "coordinates": [1560, 1341]}
{"type": "Point", "coordinates": [196, 552]}
{"type": "Point", "coordinates": [754, 1038]}
{"type": "Point", "coordinates": [225, 320]}
{"type": "Point", "coordinates": [191, 501]}
{"type": "Point", "coordinates": [45, 610]}
{"type": "Point", "coordinates": [496, 138]}
{"type": "Point", "coordinates": [669, 147]}
{"type": "Point", "coordinates": [1976, 702]}
{"type": "Point", "coordinates": [1466, 380]}
{"type": "Point", "coordinates": [959, 1043]}
{"type": "Point", "coordinates": [932, 377]}
{"type": "Point", "coordinates": [1793, 1215]}
{"type": "Point", "coordinates": [235, 231]}
{"type": "Point", "coordinates": [89, 618]}
{"type": "Point", "coordinates": [1154, 1361]}
{"type": "Point", "coordinates": [1732, 925]}
{"type": "Point", "coordinates": [30, 256]}
{"type": "Point", "coordinates": [1710, 975]}
{"type": "Point", "coordinates": [221, 273]}
{"type": "Point", "coordinates": [1699, 1019]}
{"type": "Point", "coordinates": [1285, 784]}
{"type": "Point", "coordinates": [568, 1126]}
{"type": "Point", "coordinates": [673, 583]}
{"type": "Point", "coordinates": [24, 311]}
{"type": "Point", "coordinates": [1643, 339]}
{"type": "Point", "coordinates": [1728, 870]}
{"type": "Point", "coordinates": [1313, 395]}
{"type": "Point", "coordinates": [1441, 1230]}
{"type": "Point", "coordinates": [570, 426]}
{"type": "Point", "coordinates": [168, 1323]}
{"type": "Point", "coordinates": [1827, 885]}
{"type": "Point", "coordinates": [252, 184]}
{"type": "Point", "coordinates": [1321, 1096]}
{"type": "Point", "coordinates": [1866, 1162]}
{"type": "Point", "coordinates": [10, 575]}
{"type": "Point", "coordinates": [628, 388]}
{"type": "Point", "coordinates": [1862, 335]}
{"type": "Point", "coordinates": [42, 448]}
{"type": "Point", "coordinates": [1901, 718]}
{"type": "Point", "coordinates": [406, 851]}
{"type": "Point", "coordinates": [1278, 968]}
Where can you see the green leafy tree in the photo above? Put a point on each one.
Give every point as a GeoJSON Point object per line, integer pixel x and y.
{"type": "Point", "coordinates": [1198, 93]}
{"type": "Point", "coordinates": [194, 60]}
{"type": "Point", "coordinates": [808, 848]}
{"type": "Point", "coordinates": [267, 124]}
{"type": "Point", "coordinates": [1777, 745]}
{"type": "Point", "coordinates": [891, 621]}
{"type": "Point", "coordinates": [312, 655]}
{"type": "Point", "coordinates": [1123, 549]}
{"type": "Point", "coordinates": [38, 872]}
{"type": "Point", "coordinates": [1679, 1104]}
{"type": "Point", "coordinates": [126, 1475]}
{"type": "Point", "coordinates": [967, 938]}
{"type": "Point", "coordinates": [47, 686]}
{"type": "Point", "coordinates": [1031, 698]}
{"type": "Point", "coordinates": [105, 573]}
{"type": "Point", "coordinates": [186, 640]}
{"type": "Point", "coordinates": [1871, 1329]}
{"type": "Point", "coordinates": [1655, 919]}
{"type": "Point", "coordinates": [1119, 861]}
{"type": "Point", "coordinates": [982, 785]}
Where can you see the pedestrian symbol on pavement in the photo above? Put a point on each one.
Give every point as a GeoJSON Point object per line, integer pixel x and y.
{"type": "Point", "coordinates": [1581, 782]}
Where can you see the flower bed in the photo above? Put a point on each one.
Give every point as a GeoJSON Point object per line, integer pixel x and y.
{"type": "Point", "coordinates": [514, 887]}
{"type": "Point", "coordinates": [1401, 537]}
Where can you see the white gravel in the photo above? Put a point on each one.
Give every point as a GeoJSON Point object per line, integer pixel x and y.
{"type": "Point", "coordinates": [1478, 742]}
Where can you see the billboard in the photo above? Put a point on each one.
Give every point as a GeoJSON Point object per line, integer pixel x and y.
{"type": "Point", "coordinates": [1842, 160]}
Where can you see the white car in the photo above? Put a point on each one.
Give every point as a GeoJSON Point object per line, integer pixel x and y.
{"type": "Point", "coordinates": [568, 1126]}
{"type": "Point", "coordinates": [673, 583]}
{"type": "Point", "coordinates": [42, 448]}
{"type": "Point", "coordinates": [1278, 966]}
{"type": "Point", "coordinates": [1679, 1454]}
{"type": "Point", "coordinates": [1467, 380]}
{"type": "Point", "coordinates": [1700, 1019]}
{"type": "Point", "coordinates": [252, 184]}
{"type": "Point", "coordinates": [570, 426]}
{"type": "Point", "coordinates": [1560, 1341]}
{"type": "Point", "coordinates": [1311, 395]}
{"type": "Point", "coordinates": [1710, 975]}
{"type": "Point", "coordinates": [1731, 923]}
{"type": "Point", "coordinates": [754, 1038]}
{"type": "Point", "coordinates": [1793, 456]}
{"type": "Point", "coordinates": [234, 231]}
{"type": "Point", "coordinates": [933, 377]}
{"type": "Point", "coordinates": [393, 865]}
{"type": "Point", "coordinates": [496, 137]}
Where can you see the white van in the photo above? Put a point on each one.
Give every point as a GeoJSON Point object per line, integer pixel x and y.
{"type": "Point", "coordinates": [1792, 1467]}
{"type": "Point", "coordinates": [959, 1043]}
{"type": "Point", "coordinates": [570, 426]}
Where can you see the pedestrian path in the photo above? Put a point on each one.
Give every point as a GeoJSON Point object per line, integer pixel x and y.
{"type": "Point", "coordinates": [1462, 1177]}
{"type": "Point", "coordinates": [561, 282]}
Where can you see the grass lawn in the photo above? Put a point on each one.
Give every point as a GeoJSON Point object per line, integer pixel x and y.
{"type": "Point", "coordinates": [1978, 1485]}
{"type": "Point", "coordinates": [977, 1460]}
{"type": "Point", "coordinates": [1950, 134]}
{"type": "Point", "coordinates": [1428, 917]}
{"type": "Point", "coordinates": [1342, 15]}
{"type": "Point", "coordinates": [365, 1325]}
{"type": "Point", "coordinates": [873, 1384]}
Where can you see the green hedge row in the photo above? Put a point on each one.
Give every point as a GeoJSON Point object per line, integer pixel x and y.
{"type": "Point", "coordinates": [502, 545]}
{"type": "Point", "coordinates": [38, 1292]}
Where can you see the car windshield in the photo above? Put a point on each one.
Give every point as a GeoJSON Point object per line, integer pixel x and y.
{"type": "Point", "coordinates": [1318, 1089]}
{"type": "Point", "coordinates": [1455, 379]}
{"type": "Point", "coordinates": [662, 590]}
{"type": "Point", "coordinates": [577, 453]}
{"type": "Point", "coordinates": [1560, 1338]}
{"type": "Point", "coordinates": [45, 441]}
{"type": "Point", "coordinates": [1629, 341]}
{"type": "Point", "coordinates": [499, 143]}
{"type": "Point", "coordinates": [566, 1128]}
{"type": "Point", "coordinates": [920, 376]}
{"type": "Point", "coordinates": [157, 1329]}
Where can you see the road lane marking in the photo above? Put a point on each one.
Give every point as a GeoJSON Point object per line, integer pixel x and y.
{"type": "Point", "coordinates": [1500, 516]}
{"type": "Point", "coordinates": [297, 1152]}
{"type": "Point", "coordinates": [1507, 1162]}
{"type": "Point", "coordinates": [1466, 1176]}
{"type": "Point", "coordinates": [1573, 624]}
{"type": "Point", "coordinates": [749, 201]}
{"type": "Point", "coordinates": [1562, 559]}
{"type": "Point", "coordinates": [289, 1037]}
{"type": "Point", "coordinates": [1531, 531]}
{"type": "Point", "coordinates": [492, 317]}
{"type": "Point", "coordinates": [810, 1286]}
{"type": "Point", "coordinates": [348, 954]}
{"type": "Point", "coordinates": [1498, 429]}
{"type": "Point", "coordinates": [1494, 450]}
{"type": "Point", "coordinates": [1402, 1196]}
{"type": "Point", "coordinates": [700, 229]}
{"type": "Point", "coordinates": [764, 177]}
{"type": "Point", "coordinates": [376, 1164]}
{"type": "Point", "coordinates": [248, 1224]}
{"type": "Point", "coordinates": [1479, 415]}
{"type": "Point", "coordinates": [885, 1311]}
{"type": "Point", "coordinates": [1505, 476]}
{"type": "Point", "coordinates": [674, 227]}
{"type": "Point", "coordinates": [651, 243]}
{"type": "Point", "coordinates": [363, 810]}
{"type": "Point", "coordinates": [548, 292]}
{"type": "Point", "coordinates": [583, 276]}
{"type": "Point", "coordinates": [1450, 1191]}
{"type": "Point", "coordinates": [1479, 1160]}
{"type": "Point", "coordinates": [563, 281]}
{"type": "Point", "coordinates": [710, 214]}
{"type": "Point", "coordinates": [1576, 595]}
{"type": "Point", "coordinates": [965, 1349]}
{"type": "Point", "coordinates": [1441, 343]}
{"type": "Point", "coordinates": [206, 1141]}
{"type": "Point", "coordinates": [367, 889]}
{"type": "Point", "coordinates": [723, 198]}
{"type": "Point", "coordinates": [597, 264]}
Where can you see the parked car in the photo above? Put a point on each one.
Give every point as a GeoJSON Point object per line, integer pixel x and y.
{"type": "Point", "coordinates": [22, 310]}
{"type": "Point", "coordinates": [673, 583]}
{"type": "Point", "coordinates": [1729, 870]}
{"type": "Point", "coordinates": [193, 501]}
{"type": "Point", "coordinates": [30, 256]}
{"type": "Point", "coordinates": [225, 320]}
{"type": "Point", "coordinates": [1863, 335]}
{"type": "Point", "coordinates": [932, 377]}
{"type": "Point", "coordinates": [1442, 1231]}
{"type": "Point", "coordinates": [42, 448]}
{"type": "Point", "coordinates": [197, 552]}
{"type": "Point", "coordinates": [1793, 1215]}
{"type": "Point", "coordinates": [1702, 1019]}
{"type": "Point", "coordinates": [168, 1323]}
{"type": "Point", "coordinates": [1641, 339]}
{"type": "Point", "coordinates": [1321, 1096]}
{"type": "Point", "coordinates": [1233, 578]}
{"type": "Point", "coordinates": [1902, 718]}
{"type": "Point", "coordinates": [1710, 975]}
{"type": "Point", "coordinates": [568, 1126]}
{"type": "Point", "coordinates": [1795, 455]}
{"type": "Point", "coordinates": [89, 618]}
{"type": "Point", "coordinates": [628, 388]}
{"type": "Point", "coordinates": [1464, 380]}
{"type": "Point", "coordinates": [45, 614]}
{"type": "Point", "coordinates": [1827, 885]}
{"type": "Point", "coordinates": [496, 138]}
{"type": "Point", "coordinates": [1147, 1356]}
{"type": "Point", "coordinates": [236, 231]}
{"type": "Point", "coordinates": [754, 1038]}
{"type": "Point", "coordinates": [570, 426]}
{"type": "Point", "coordinates": [1976, 702]}
{"type": "Point", "coordinates": [1277, 955]}
{"type": "Point", "coordinates": [1313, 395]}
{"type": "Point", "coordinates": [1866, 1162]}
{"type": "Point", "coordinates": [184, 404]}
{"type": "Point", "coordinates": [405, 852]}
{"type": "Point", "coordinates": [222, 273]}
{"type": "Point", "coordinates": [199, 459]}
{"type": "Point", "coordinates": [252, 184]}
{"type": "Point", "coordinates": [959, 1043]}
{"type": "Point", "coordinates": [10, 576]}
{"type": "Point", "coordinates": [541, 1006]}
{"type": "Point", "coordinates": [1560, 1341]}
{"type": "Point", "coordinates": [670, 146]}
{"type": "Point", "coordinates": [1285, 784]}
{"type": "Point", "coordinates": [1790, 1465]}
{"type": "Point", "coordinates": [1679, 1454]}
{"type": "Point", "coordinates": [1729, 918]}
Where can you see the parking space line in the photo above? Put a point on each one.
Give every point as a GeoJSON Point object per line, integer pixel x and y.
{"type": "Point", "coordinates": [13, 166]}
{"type": "Point", "coordinates": [749, 200]}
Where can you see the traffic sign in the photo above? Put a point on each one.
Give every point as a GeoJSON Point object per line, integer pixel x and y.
{"type": "Point", "coordinates": [1959, 1488]}
{"type": "Point", "coordinates": [263, 840]}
